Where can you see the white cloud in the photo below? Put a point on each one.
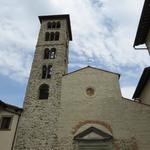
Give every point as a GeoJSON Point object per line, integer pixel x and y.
{"type": "Point", "coordinates": [103, 30]}
{"type": "Point", "coordinates": [114, 48]}
{"type": "Point", "coordinates": [128, 91]}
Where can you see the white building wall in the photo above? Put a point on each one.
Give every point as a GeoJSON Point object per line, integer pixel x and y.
{"type": "Point", "coordinates": [7, 136]}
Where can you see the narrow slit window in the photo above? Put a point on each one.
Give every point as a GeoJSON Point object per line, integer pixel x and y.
{"type": "Point", "coordinates": [49, 71]}
{"type": "Point", "coordinates": [53, 25]}
{"type": "Point", "coordinates": [47, 36]}
{"type": "Point", "coordinates": [43, 91]}
{"type": "Point", "coordinates": [58, 24]}
{"type": "Point", "coordinates": [49, 25]}
{"type": "Point", "coordinates": [52, 36]}
{"type": "Point", "coordinates": [46, 53]}
{"type": "Point", "coordinates": [57, 36]}
{"type": "Point", "coordinates": [53, 53]}
{"type": "Point", "coordinates": [44, 70]}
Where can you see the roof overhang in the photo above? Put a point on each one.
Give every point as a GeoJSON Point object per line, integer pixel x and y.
{"type": "Point", "coordinates": [10, 108]}
{"type": "Point", "coordinates": [64, 16]}
{"type": "Point", "coordinates": [144, 25]}
{"type": "Point", "coordinates": [143, 80]}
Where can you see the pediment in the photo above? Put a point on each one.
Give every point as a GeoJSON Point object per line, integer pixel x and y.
{"type": "Point", "coordinates": [91, 69]}
{"type": "Point", "coordinates": [93, 133]}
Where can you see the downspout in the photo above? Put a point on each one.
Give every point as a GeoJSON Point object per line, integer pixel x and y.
{"type": "Point", "coordinates": [15, 133]}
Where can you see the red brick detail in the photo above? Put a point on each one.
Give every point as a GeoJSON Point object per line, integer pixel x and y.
{"type": "Point", "coordinates": [117, 146]}
{"type": "Point", "coordinates": [134, 145]}
{"type": "Point", "coordinates": [82, 123]}
{"type": "Point", "coordinates": [130, 143]}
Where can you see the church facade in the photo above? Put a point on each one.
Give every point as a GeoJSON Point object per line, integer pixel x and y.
{"type": "Point", "coordinates": [82, 110]}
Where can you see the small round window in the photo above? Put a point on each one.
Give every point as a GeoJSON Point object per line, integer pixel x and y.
{"type": "Point", "coordinates": [90, 91]}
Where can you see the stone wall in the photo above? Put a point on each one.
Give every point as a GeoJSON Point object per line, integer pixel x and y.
{"type": "Point", "coordinates": [38, 122]}
{"type": "Point", "coordinates": [128, 121]}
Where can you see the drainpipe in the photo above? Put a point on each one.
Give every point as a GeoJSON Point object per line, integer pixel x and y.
{"type": "Point", "coordinates": [15, 133]}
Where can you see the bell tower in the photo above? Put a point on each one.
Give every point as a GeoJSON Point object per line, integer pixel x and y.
{"type": "Point", "coordinates": [38, 123]}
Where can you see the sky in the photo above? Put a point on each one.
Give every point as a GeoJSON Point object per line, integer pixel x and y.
{"type": "Point", "coordinates": [103, 32]}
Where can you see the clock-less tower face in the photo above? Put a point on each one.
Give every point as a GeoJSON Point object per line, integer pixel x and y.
{"type": "Point", "coordinates": [38, 123]}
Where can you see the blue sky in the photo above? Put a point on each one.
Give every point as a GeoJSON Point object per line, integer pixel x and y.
{"type": "Point", "coordinates": [103, 32]}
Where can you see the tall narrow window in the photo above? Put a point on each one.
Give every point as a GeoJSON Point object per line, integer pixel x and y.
{"type": "Point", "coordinates": [53, 53]}
{"type": "Point", "coordinates": [56, 36]}
{"type": "Point", "coordinates": [47, 36]}
{"type": "Point", "coordinates": [58, 24]}
{"type": "Point", "coordinates": [5, 123]}
{"type": "Point", "coordinates": [46, 53]}
{"type": "Point", "coordinates": [43, 91]}
{"type": "Point", "coordinates": [49, 25]}
{"type": "Point", "coordinates": [53, 25]}
{"type": "Point", "coordinates": [49, 71]}
{"type": "Point", "coordinates": [52, 36]}
{"type": "Point", "coordinates": [44, 70]}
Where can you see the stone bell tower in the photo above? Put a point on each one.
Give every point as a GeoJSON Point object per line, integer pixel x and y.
{"type": "Point", "coordinates": [38, 123]}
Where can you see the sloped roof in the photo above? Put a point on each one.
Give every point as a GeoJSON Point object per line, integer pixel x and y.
{"type": "Point", "coordinates": [93, 68]}
{"type": "Point", "coordinates": [143, 80]}
{"type": "Point", "coordinates": [144, 25]}
{"type": "Point", "coordinates": [64, 16]}
{"type": "Point", "coordinates": [11, 108]}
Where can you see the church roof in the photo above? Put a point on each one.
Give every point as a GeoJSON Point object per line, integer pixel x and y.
{"type": "Point", "coordinates": [143, 80]}
{"type": "Point", "coordinates": [10, 108]}
{"type": "Point", "coordinates": [64, 16]}
{"type": "Point", "coordinates": [144, 25]}
{"type": "Point", "coordinates": [93, 68]}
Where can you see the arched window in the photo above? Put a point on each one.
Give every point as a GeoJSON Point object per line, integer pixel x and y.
{"type": "Point", "coordinates": [53, 25]}
{"type": "Point", "coordinates": [56, 36]}
{"type": "Point", "coordinates": [49, 25]}
{"type": "Point", "coordinates": [46, 53]}
{"type": "Point", "coordinates": [47, 36]}
{"type": "Point", "coordinates": [43, 91]}
{"type": "Point", "coordinates": [52, 35]}
{"type": "Point", "coordinates": [44, 70]}
{"type": "Point", "coordinates": [49, 71]}
{"type": "Point", "coordinates": [53, 53]}
{"type": "Point", "coordinates": [58, 24]}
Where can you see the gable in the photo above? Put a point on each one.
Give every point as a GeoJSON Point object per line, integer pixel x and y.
{"type": "Point", "coordinates": [104, 85]}
{"type": "Point", "coordinates": [91, 134]}
{"type": "Point", "coordinates": [93, 139]}
{"type": "Point", "coordinates": [92, 69]}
